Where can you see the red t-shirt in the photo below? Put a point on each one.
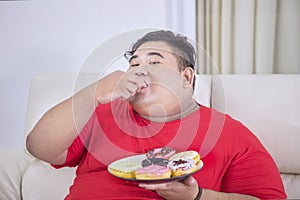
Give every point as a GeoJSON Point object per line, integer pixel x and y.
{"type": "Point", "coordinates": [234, 159]}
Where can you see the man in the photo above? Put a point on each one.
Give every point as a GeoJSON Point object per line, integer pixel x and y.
{"type": "Point", "coordinates": [151, 106]}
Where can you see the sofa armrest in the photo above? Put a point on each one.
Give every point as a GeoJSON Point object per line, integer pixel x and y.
{"type": "Point", "coordinates": [41, 181]}
{"type": "Point", "coordinates": [13, 164]}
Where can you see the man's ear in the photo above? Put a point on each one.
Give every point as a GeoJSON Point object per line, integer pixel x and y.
{"type": "Point", "coordinates": [188, 76]}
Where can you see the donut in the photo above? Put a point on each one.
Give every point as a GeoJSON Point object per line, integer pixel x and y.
{"type": "Point", "coordinates": [182, 166]}
{"type": "Point", "coordinates": [194, 155]}
{"type": "Point", "coordinates": [155, 161]}
{"type": "Point", "coordinates": [164, 152]}
{"type": "Point", "coordinates": [153, 172]}
{"type": "Point", "coordinates": [124, 169]}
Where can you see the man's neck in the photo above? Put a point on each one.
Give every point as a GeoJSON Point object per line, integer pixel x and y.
{"type": "Point", "coordinates": [188, 109]}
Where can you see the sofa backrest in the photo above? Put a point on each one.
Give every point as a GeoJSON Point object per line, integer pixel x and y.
{"type": "Point", "coordinates": [47, 90]}
{"type": "Point", "coordinates": [269, 105]}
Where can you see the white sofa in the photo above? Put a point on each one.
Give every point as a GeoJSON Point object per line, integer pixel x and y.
{"type": "Point", "coordinates": [267, 104]}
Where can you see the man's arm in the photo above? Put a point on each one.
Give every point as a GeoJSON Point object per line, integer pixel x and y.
{"type": "Point", "coordinates": [57, 129]}
{"type": "Point", "coordinates": [189, 190]}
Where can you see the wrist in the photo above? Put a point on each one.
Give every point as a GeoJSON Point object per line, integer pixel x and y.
{"type": "Point", "coordinates": [199, 194]}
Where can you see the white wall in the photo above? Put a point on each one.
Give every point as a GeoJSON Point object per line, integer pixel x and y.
{"type": "Point", "coordinates": [57, 36]}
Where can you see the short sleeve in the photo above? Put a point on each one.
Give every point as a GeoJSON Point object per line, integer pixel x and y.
{"type": "Point", "coordinates": [78, 147]}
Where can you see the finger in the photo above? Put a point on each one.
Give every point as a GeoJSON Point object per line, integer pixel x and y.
{"type": "Point", "coordinates": [146, 81]}
{"type": "Point", "coordinates": [190, 181]}
{"type": "Point", "coordinates": [138, 81]}
{"type": "Point", "coordinates": [161, 186]}
{"type": "Point", "coordinates": [131, 88]}
{"type": "Point", "coordinates": [124, 95]}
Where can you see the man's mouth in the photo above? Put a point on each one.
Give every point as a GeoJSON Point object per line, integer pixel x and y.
{"type": "Point", "coordinates": [142, 89]}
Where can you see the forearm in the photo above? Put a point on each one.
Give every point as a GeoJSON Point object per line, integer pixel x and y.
{"type": "Point", "coordinates": [59, 126]}
{"type": "Point", "coordinates": [210, 194]}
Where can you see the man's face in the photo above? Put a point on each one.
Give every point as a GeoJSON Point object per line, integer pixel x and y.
{"type": "Point", "coordinates": [165, 94]}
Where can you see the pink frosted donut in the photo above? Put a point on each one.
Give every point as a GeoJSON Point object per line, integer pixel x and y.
{"type": "Point", "coordinates": [164, 152]}
{"type": "Point", "coordinates": [152, 172]}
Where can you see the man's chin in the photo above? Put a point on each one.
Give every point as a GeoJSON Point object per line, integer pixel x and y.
{"type": "Point", "coordinates": [139, 100]}
{"type": "Point", "coordinates": [137, 104]}
{"type": "Point", "coordinates": [147, 108]}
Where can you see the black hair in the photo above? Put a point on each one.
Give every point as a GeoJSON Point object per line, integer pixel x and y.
{"type": "Point", "coordinates": [183, 50]}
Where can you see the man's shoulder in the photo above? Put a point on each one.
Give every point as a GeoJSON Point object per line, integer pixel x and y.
{"type": "Point", "coordinates": [229, 126]}
{"type": "Point", "coordinates": [213, 115]}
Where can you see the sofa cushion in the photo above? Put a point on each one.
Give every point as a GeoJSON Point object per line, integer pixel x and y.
{"type": "Point", "coordinates": [291, 184]}
{"type": "Point", "coordinates": [13, 164]}
{"type": "Point", "coordinates": [41, 181]}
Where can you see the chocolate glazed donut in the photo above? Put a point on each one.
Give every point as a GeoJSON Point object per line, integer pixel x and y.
{"type": "Point", "coordinates": [155, 161]}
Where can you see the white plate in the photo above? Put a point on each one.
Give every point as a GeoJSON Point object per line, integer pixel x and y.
{"type": "Point", "coordinates": [137, 161]}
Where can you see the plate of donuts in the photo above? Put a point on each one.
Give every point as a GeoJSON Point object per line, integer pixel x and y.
{"type": "Point", "coordinates": [158, 165]}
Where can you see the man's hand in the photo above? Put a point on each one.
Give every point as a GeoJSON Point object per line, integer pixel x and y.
{"type": "Point", "coordinates": [121, 84]}
{"type": "Point", "coordinates": [186, 190]}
